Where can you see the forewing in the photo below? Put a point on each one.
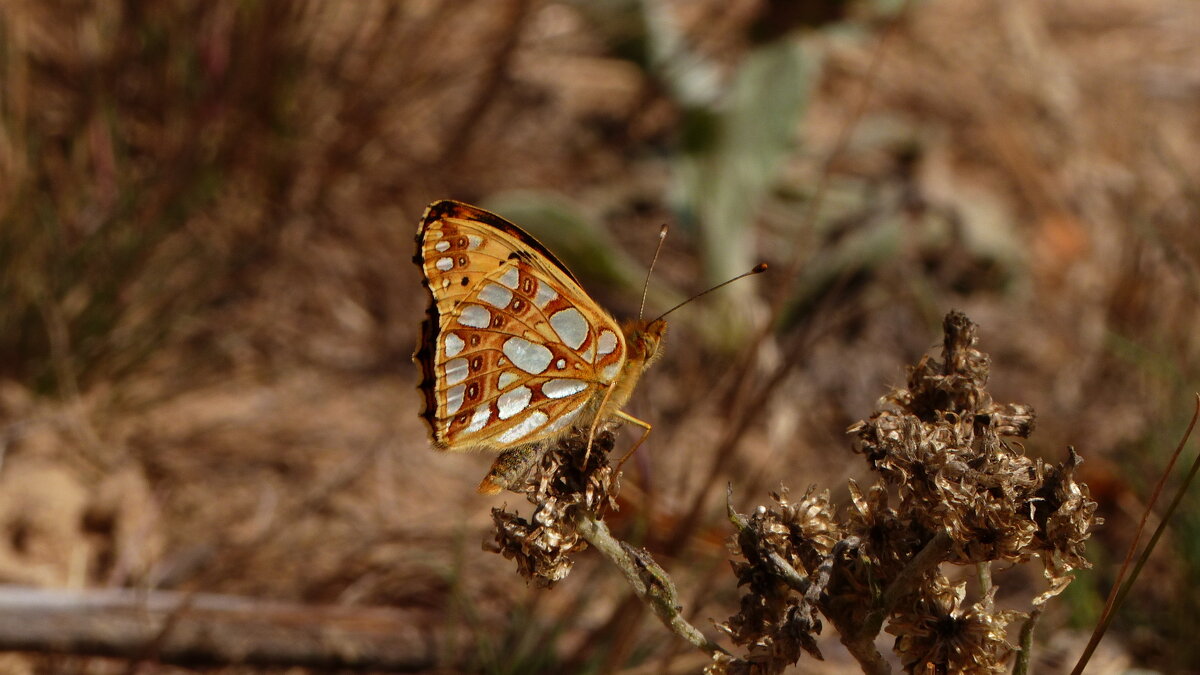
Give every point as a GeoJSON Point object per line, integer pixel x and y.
{"type": "Point", "coordinates": [513, 350]}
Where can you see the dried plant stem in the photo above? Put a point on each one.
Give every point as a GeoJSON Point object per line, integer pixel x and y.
{"type": "Point", "coordinates": [928, 558]}
{"type": "Point", "coordinates": [649, 581]}
{"type": "Point", "coordinates": [860, 640]}
{"type": "Point", "coordinates": [1025, 653]}
{"type": "Point", "coordinates": [984, 572]}
{"type": "Point", "coordinates": [863, 650]}
{"type": "Point", "coordinates": [781, 567]}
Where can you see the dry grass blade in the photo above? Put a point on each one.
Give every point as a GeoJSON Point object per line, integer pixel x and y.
{"type": "Point", "coordinates": [1121, 586]}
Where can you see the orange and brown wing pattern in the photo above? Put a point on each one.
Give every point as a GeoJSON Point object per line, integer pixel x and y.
{"type": "Point", "coordinates": [513, 350]}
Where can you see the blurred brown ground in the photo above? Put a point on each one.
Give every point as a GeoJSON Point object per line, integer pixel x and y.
{"type": "Point", "coordinates": [207, 309]}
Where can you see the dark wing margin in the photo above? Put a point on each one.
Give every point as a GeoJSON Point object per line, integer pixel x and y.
{"type": "Point", "coordinates": [448, 208]}
{"type": "Point", "coordinates": [424, 354]}
{"type": "Point", "coordinates": [427, 342]}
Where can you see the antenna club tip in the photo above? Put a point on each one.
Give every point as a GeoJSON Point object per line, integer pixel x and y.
{"type": "Point", "coordinates": [759, 268]}
{"type": "Point", "coordinates": [662, 231]}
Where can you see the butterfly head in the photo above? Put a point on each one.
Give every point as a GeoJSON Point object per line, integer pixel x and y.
{"type": "Point", "coordinates": [644, 339]}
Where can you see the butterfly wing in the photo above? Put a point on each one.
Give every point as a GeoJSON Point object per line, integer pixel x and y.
{"type": "Point", "coordinates": [513, 350]}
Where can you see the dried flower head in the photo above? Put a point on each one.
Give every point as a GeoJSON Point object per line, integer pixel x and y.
{"type": "Point", "coordinates": [935, 634]}
{"type": "Point", "coordinates": [954, 487]}
{"type": "Point", "coordinates": [558, 484]}
{"type": "Point", "coordinates": [942, 446]}
{"type": "Point", "coordinates": [1065, 515]}
{"type": "Point", "coordinates": [779, 545]}
{"type": "Point", "coordinates": [886, 541]}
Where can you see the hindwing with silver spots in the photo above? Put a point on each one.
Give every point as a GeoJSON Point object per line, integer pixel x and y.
{"type": "Point", "coordinates": [513, 350]}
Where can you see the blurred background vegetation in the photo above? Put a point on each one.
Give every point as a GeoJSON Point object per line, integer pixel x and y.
{"type": "Point", "coordinates": [207, 306]}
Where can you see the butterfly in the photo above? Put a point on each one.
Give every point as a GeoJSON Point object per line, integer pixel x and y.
{"type": "Point", "coordinates": [513, 351]}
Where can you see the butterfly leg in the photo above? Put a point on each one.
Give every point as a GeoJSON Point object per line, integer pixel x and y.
{"type": "Point", "coordinates": [646, 426]}
{"type": "Point", "coordinates": [595, 423]}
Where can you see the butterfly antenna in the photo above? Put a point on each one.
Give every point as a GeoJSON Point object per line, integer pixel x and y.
{"type": "Point", "coordinates": [662, 236]}
{"type": "Point", "coordinates": [758, 269]}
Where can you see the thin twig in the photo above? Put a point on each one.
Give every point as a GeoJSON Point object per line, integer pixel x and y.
{"type": "Point", "coordinates": [782, 568]}
{"type": "Point", "coordinates": [1119, 590]}
{"type": "Point", "coordinates": [928, 558]}
{"type": "Point", "coordinates": [649, 581]}
{"type": "Point", "coordinates": [1025, 653]}
{"type": "Point", "coordinates": [860, 642]}
{"type": "Point", "coordinates": [984, 574]}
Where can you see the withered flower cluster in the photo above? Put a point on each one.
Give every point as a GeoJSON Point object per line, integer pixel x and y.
{"type": "Point", "coordinates": [559, 485]}
{"type": "Point", "coordinates": [935, 633]}
{"type": "Point", "coordinates": [776, 624]}
{"type": "Point", "coordinates": [964, 493]}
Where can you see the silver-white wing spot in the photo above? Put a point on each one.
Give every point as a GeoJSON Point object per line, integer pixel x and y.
{"type": "Point", "coordinates": [571, 327]}
{"type": "Point", "coordinates": [495, 295]}
{"type": "Point", "coordinates": [607, 342]}
{"type": "Point", "coordinates": [607, 373]}
{"type": "Point", "coordinates": [444, 264]}
{"type": "Point", "coordinates": [527, 426]}
{"type": "Point", "coordinates": [511, 277]}
{"type": "Point", "coordinates": [560, 364]}
{"type": "Point", "coordinates": [529, 357]}
{"type": "Point", "coordinates": [513, 402]}
{"type": "Point", "coordinates": [588, 355]}
{"type": "Point", "coordinates": [563, 387]}
{"type": "Point", "coordinates": [456, 371]}
{"type": "Point", "coordinates": [565, 419]}
{"type": "Point", "coordinates": [442, 246]}
{"type": "Point", "coordinates": [544, 295]}
{"type": "Point", "coordinates": [474, 242]}
{"type": "Point", "coordinates": [454, 398]}
{"type": "Point", "coordinates": [483, 413]}
{"type": "Point", "coordinates": [506, 378]}
{"type": "Point", "coordinates": [453, 345]}
{"type": "Point", "coordinates": [475, 316]}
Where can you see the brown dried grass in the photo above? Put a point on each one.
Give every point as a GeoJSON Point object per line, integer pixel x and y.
{"type": "Point", "coordinates": [206, 213]}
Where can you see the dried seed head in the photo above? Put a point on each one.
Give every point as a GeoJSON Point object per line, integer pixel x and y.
{"type": "Point", "coordinates": [558, 485]}
{"type": "Point", "coordinates": [1065, 516]}
{"type": "Point", "coordinates": [955, 486]}
{"type": "Point", "coordinates": [942, 447]}
{"type": "Point", "coordinates": [777, 625]}
{"type": "Point", "coordinates": [935, 634]}
{"type": "Point", "coordinates": [886, 542]}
